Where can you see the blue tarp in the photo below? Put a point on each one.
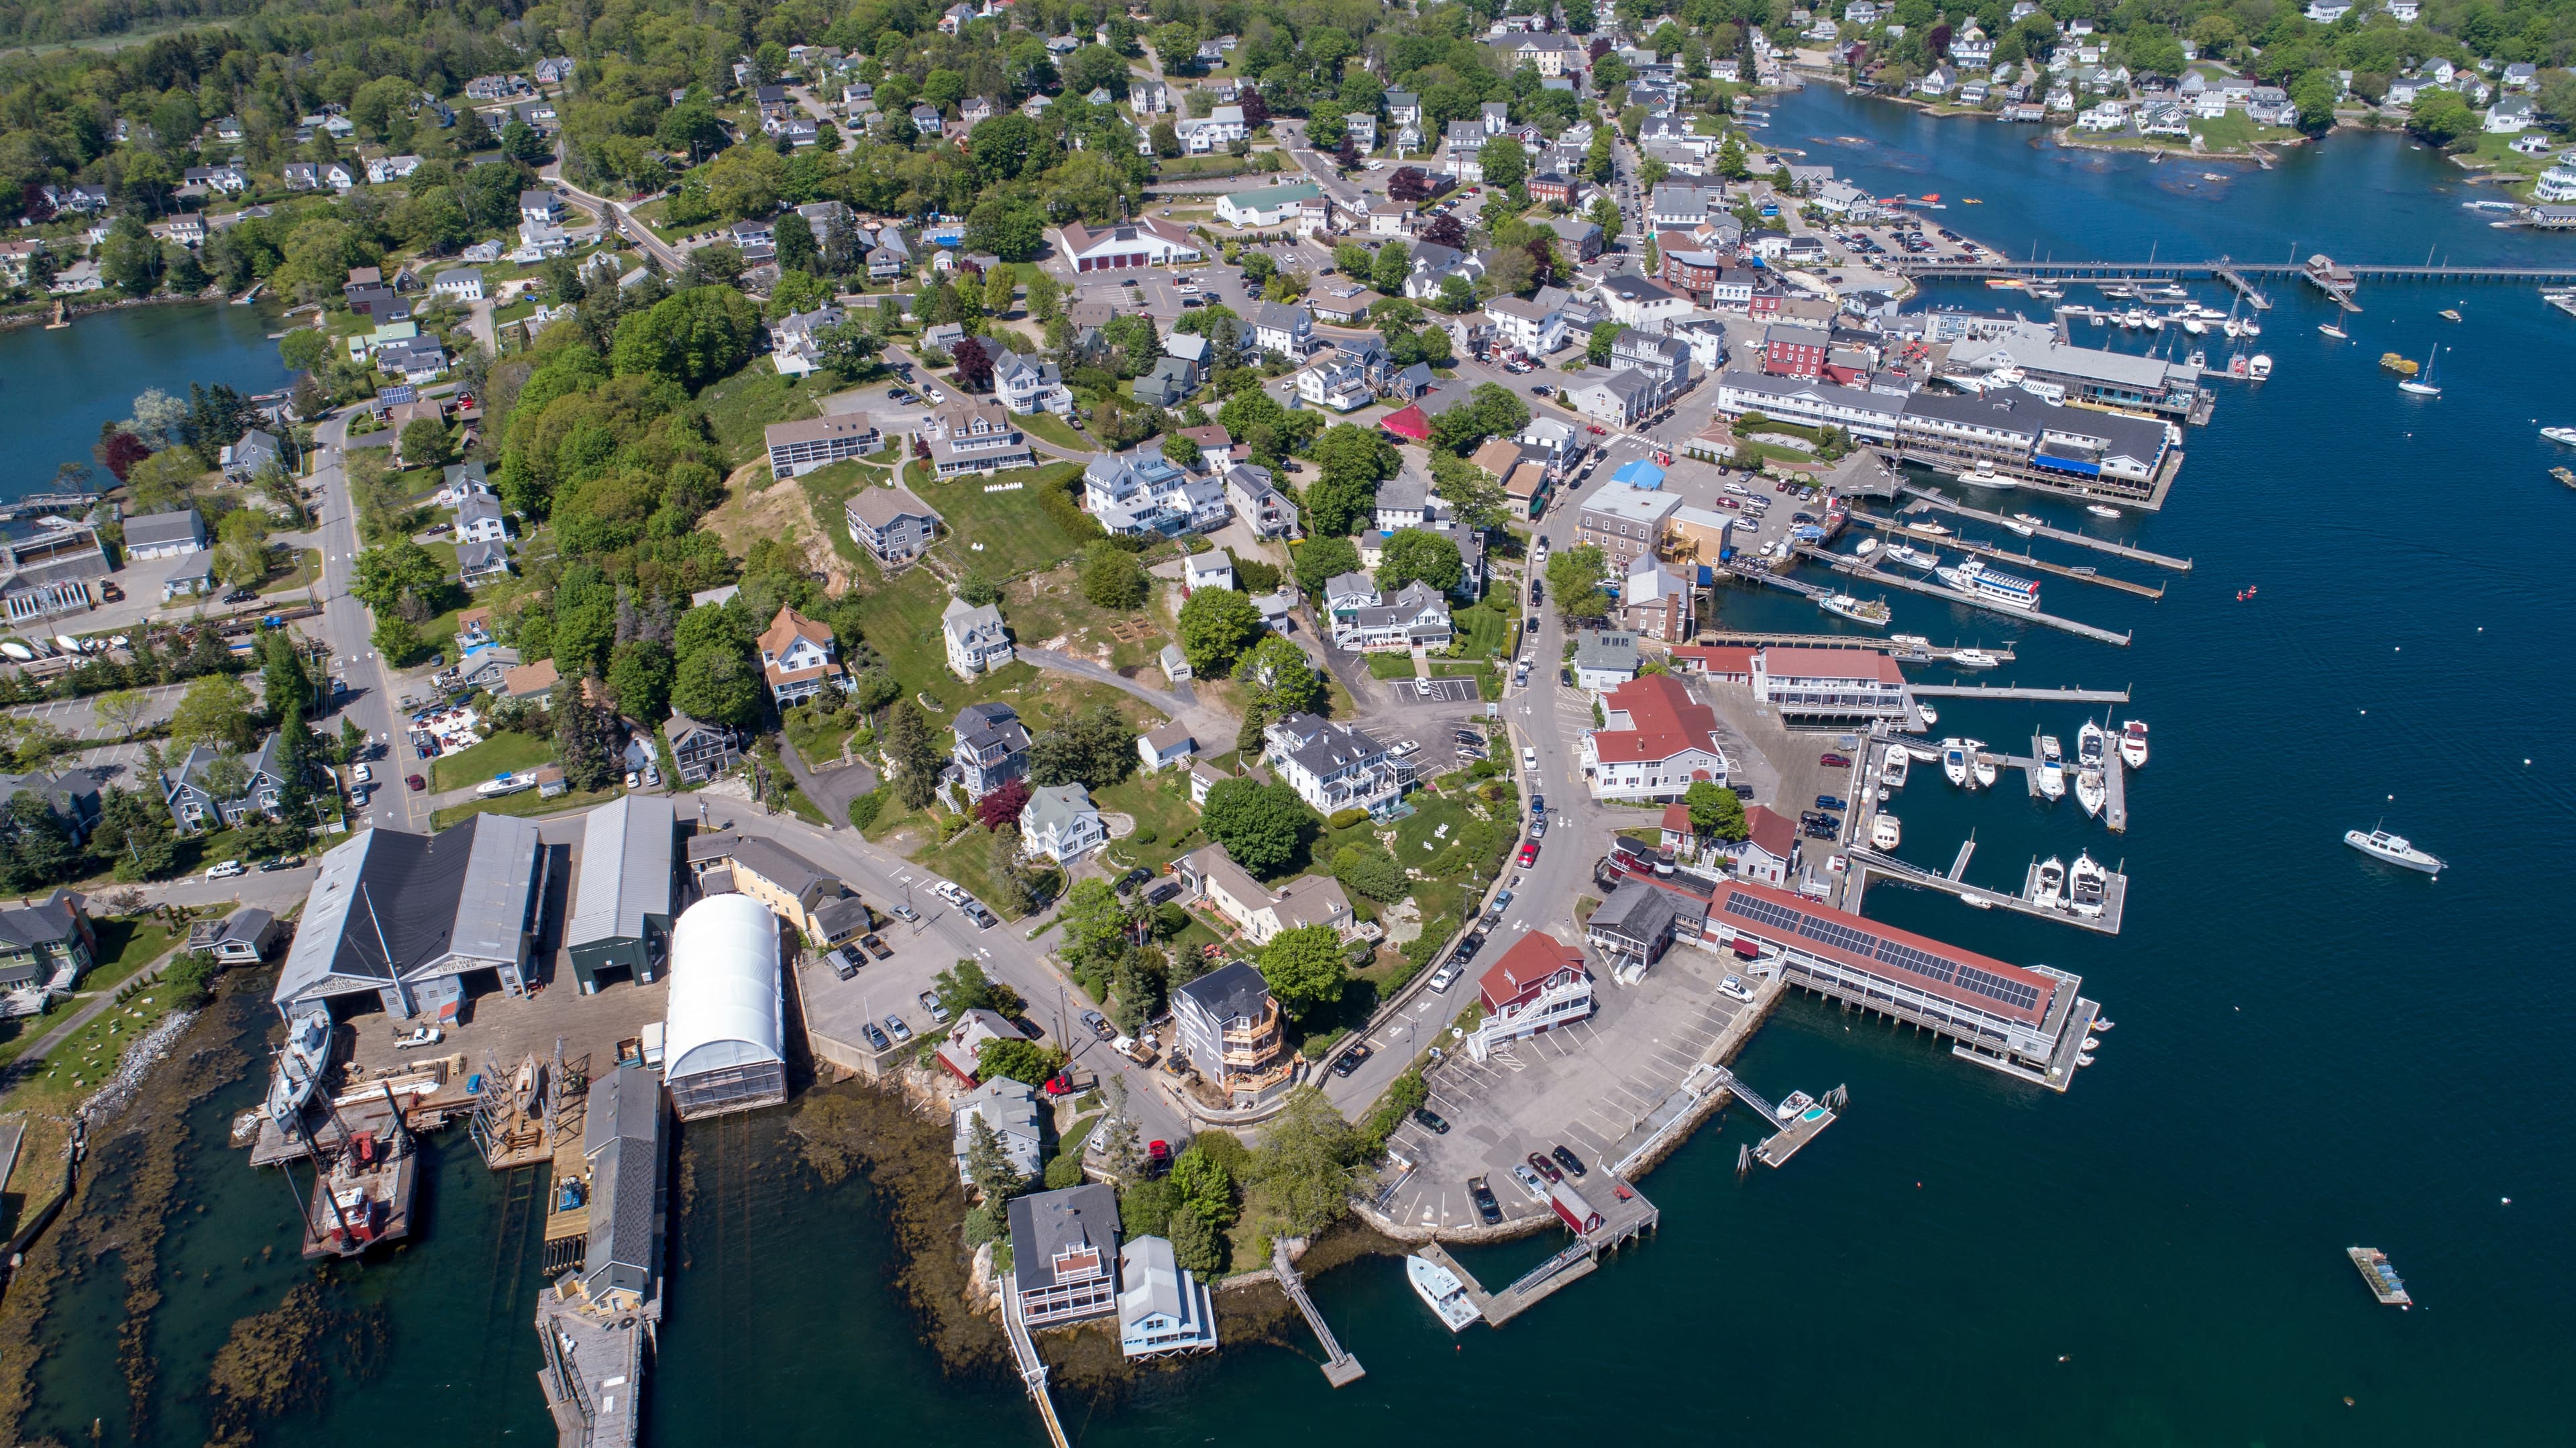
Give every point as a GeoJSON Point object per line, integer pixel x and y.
{"type": "Point", "coordinates": [1708, 575]}
{"type": "Point", "coordinates": [1639, 474]}
{"type": "Point", "coordinates": [2077, 466]}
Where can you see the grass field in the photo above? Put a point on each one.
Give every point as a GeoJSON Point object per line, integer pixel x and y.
{"type": "Point", "coordinates": [1483, 632]}
{"type": "Point", "coordinates": [1017, 532]}
{"type": "Point", "coordinates": [738, 407]}
{"type": "Point", "coordinates": [1160, 803]}
{"type": "Point", "coordinates": [126, 944]}
{"type": "Point", "coordinates": [1390, 666]}
{"type": "Point", "coordinates": [1056, 430]}
{"type": "Point", "coordinates": [2233, 132]}
{"type": "Point", "coordinates": [303, 566]}
{"type": "Point", "coordinates": [966, 859]}
{"type": "Point", "coordinates": [1050, 607]}
{"type": "Point", "coordinates": [526, 803]}
{"type": "Point", "coordinates": [500, 754]}
{"type": "Point", "coordinates": [828, 489]}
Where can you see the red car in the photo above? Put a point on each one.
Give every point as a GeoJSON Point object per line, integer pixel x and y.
{"type": "Point", "coordinates": [1598, 428]}
{"type": "Point", "coordinates": [1833, 761]}
{"type": "Point", "coordinates": [1529, 853]}
{"type": "Point", "coordinates": [416, 783]}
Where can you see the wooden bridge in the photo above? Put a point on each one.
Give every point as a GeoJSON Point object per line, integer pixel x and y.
{"type": "Point", "coordinates": [1340, 1368]}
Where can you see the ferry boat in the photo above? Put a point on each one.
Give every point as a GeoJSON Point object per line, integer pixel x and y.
{"type": "Point", "coordinates": [299, 1065]}
{"type": "Point", "coordinates": [2395, 849]}
{"type": "Point", "coordinates": [2101, 510]}
{"type": "Point", "coordinates": [1898, 765]}
{"type": "Point", "coordinates": [1442, 1292]}
{"type": "Point", "coordinates": [1975, 659]}
{"type": "Point", "coordinates": [2086, 885]}
{"type": "Point", "coordinates": [2048, 891]}
{"type": "Point", "coordinates": [1912, 557]}
{"type": "Point", "coordinates": [2052, 770]}
{"type": "Point", "coordinates": [1974, 578]}
{"type": "Point", "coordinates": [2089, 791]}
{"type": "Point", "coordinates": [1874, 613]}
{"type": "Point", "coordinates": [2384, 1282]}
{"type": "Point", "coordinates": [2133, 743]}
{"type": "Point", "coordinates": [2565, 435]}
{"type": "Point", "coordinates": [1885, 833]}
{"type": "Point", "coordinates": [1954, 761]}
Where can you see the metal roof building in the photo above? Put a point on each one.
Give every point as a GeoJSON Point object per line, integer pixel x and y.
{"type": "Point", "coordinates": [392, 912]}
{"type": "Point", "coordinates": [724, 1045]}
{"type": "Point", "coordinates": [623, 1141]}
{"type": "Point", "coordinates": [621, 904]}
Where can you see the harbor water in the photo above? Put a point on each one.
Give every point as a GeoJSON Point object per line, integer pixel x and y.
{"type": "Point", "coordinates": [57, 386]}
{"type": "Point", "coordinates": [2313, 1050]}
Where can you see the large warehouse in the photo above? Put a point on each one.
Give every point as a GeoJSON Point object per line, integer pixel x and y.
{"type": "Point", "coordinates": [621, 914]}
{"type": "Point", "coordinates": [724, 1043]}
{"type": "Point", "coordinates": [408, 918]}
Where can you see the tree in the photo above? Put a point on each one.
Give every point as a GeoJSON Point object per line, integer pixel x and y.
{"type": "Point", "coordinates": [2441, 117]}
{"type": "Point", "coordinates": [1393, 265]}
{"type": "Point", "coordinates": [1605, 335]}
{"type": "Point", "coordinates": [1715, 811]}
{"type": "Point", "coordinates": [1476, 496]}
{"type": "Point", "coordinates": [397, 638]}
{"type": "Point", "coordinates": [915, 758]}
{"type": "Point", "coordinates": [1217, 625]}
{"type": "Point", "coordinates": [215, 710]}
{"type": "Point", "coordinates": [1092, 917]}
{"type": "Point", "coordinates": [1026, 1062]}
{"type": "Point", "coordinates": [1506, 164]}
{"type": "Point", "coordinates": [794, 243]}
{"type": "Point", "coordinates": [848, 348]}
{"type": "Point", "coordinates": [1416, 554]}
{"type": "Point", "coordinates": [974, 368]}
{"type": "Point", "coordinates": [282, 679]}
{"type": "Point", "coordinates": [1112, 578]}
{"type": "Point", "coordinates": [386, 574]}
{"type": "Point", "coordinates": [424, 443]}
{"type": "Point", "coordinates": [1371, 873]}
{"type": "Point", "coordinates": [1574, 576]}
{"type": "Point", "coordinates": [584, 739]}
{"type": "Point", "coordinates": [1205, 1187]}
{"type": "Point", "coordinates": [1305, 968]}
{"type": "Point", "coordinates": [964, 987]}
{"type": "Point", "coordinates": [1260, 825]}
{"type": "Point", "coordinates": [1280, 678]}
{"type": "Point", "coordinates": [999, 287]}
{"type": "Point", "coordinates": [36, 848]}
{"type": "Point", "coordinates": [693, 336]}
{"type": "Point", "coordinates": [1197, 1246]}
{"type": "Point", "coordinates": [352, 745]}
{"type": "Point", "coordinates": [1302, 1172]}
{"type": "Point", "coordinates": [1490, 411]}
{"type": "Point", "coordinates": [988, 1169]}
{"type": "Point", "coordinates": [1045, 296]}
{"type": "Point", "coordinates": [639, 675]}
{"type": "Point", "coordinates": [1007, 229]}
{"type": "Point", "coordinates": [1003, 806]}
{"type": "Point", "coordinates": [719, 686]}
{"type": "Point", "coordinates": [1322, 559]}
{"type": "Point", "coordinates": [121, 711]}
{"type": "Point", "coordinates": [1094, 747]}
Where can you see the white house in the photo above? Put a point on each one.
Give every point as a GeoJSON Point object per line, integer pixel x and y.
{"type": "Point", "coordinates": [976, 639]}
{"type": "Point", "coordinates": [1061, 823]}
{"type": "Point", "coordinates": [1163, 1308]}
{"type": "Point", "coordinates": [1166, 747]}
{"type": "Point", "coordinates": [1147, 241]}
{"type": "Point", "coordinates": [1028, 384]}
{"type": "Point", "coordinates": [1332, 767]}
{"type": "Point", "coordinates": [1215, 131]}
{"type": "Point", "coordinates": [1337, 383]}
{"type": "Point", "coordinates": [478, 519]}
{"type": "Point", "coordinates": [2510, 116]}
{"type": "Point", "coordinates": [1009, 1108]}
{"type": "Point", "coordinates": [1282, 327]}
{"type": "Point", "coordinates": [1268, 206]}
{"type": "Point", "coordinates": [459, 284]}
{"type": "Point", "coordinates": [1642, 303]}
{"type": "Point", "coordinates": [1656, 742]}
{"type": "Point", "coordinates": [1526, 325]}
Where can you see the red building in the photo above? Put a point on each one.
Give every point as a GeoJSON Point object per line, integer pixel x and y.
{"type": "Point", "coordinates": [1793, 352]}
{"type": "Point", "coordinates": [1408, 423]}
{"type": "Point", "coordinates": [1549, 187]}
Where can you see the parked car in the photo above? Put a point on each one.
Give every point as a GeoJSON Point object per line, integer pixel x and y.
{"type": "Point", "coordinates": [225, 871]}
{"type": "Point", "coordinates": [1528, 855]}
{"type": "Point", "coordinates": [417, 1037]}
{"type": "Point", "coordinates": [1530, 1184]}
{"type": "Point", "coordinates": [1350, 1060]}
{"type": "Point", "coordinates": [1490, 1210]}
{"type": "Point", "coordinates": [1733, 987]}
{"type": "Point", "coordinates": [877, 947]}
{"type": "Point", "coordinates": [1158, 1157]}
{"type": "Point", "coordinates": [282, 862]}
{"type": "Point", "coordinates": [895, 1027]}
{"type": "Point", "coordinates": [1444, 978]}
{"type": "Point", "coordinates": [1529, 757]}
{"type": "Point", "coordinates": [1099, 1025]}
{"type": "Point", "coordinates": [905, 913]}
{"type": "Point", "coordinates": [1538, 827]}
{"type": "Point", "coordinates": [845, 962]}
{"type": "Point", "coordinates": [1573, 1164]}
{"type": "Point", "coordinates": [1827, 801]}
{"type": "Point", "coordinates": [1546, 1168]}
{"type": "Point", "coordinates": [415, 783]}
{"type": "Point", "coordinates": [876, 1038]}
{"type": "Point", "coordinates": [1833, 761]}
{"type": "Point", "coordinates": [1431, 1121]}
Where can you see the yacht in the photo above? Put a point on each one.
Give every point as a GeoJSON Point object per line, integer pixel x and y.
{"type": "Point", "coordinates": [2259, 366]}
{"type": "Point", "coordinates": [1885, 833]}
{"type": "Point", "coordinates": [2048, 892]}
{"type": "Point", "coordinates": [2089, 790]}
{"type": "Point", "coordinates": [1930, 716]}
{"type": "Point", "coordinates": [2101, 510]}
{"type": "Point", "coordinates": [2565, 435]}
{"type": "Point", "coordinates": [2195, 326]}
{"type": "Point", "coordinates": [1991, 585]}
{"type": "Point", "coordinates": [1929, 528]}
{"type": "Point", "coordinates": [1874, 613]}
{"type": "Point", "coordinates": [2016, 524]}
{"type": "Point", "coordinates": [1898, 765]}
{"type": "Point", "coordinates": [2052, 770]}
{"type": "Point", "coordinates": [1984, 766]}
{"type": "Point", "coordinates": [2089, 744]}
{"type": "Point", "coordinates": [2133, 743]}
{"type": "Point", "coordinates": [2395, 849]}
{"type": "Point", "coordinates": [1912, 557]}
{"type": "Point", "coordinates": [1442, 1292]}
{"type": "Point", "coordinates": [2086, 884]}
{"type": "Point", "coordinates": [1983, 475]}
{"type": "Point", "coordinates": [1954, 760]}
{"type": "Point", "coordinates": [1975, 659]}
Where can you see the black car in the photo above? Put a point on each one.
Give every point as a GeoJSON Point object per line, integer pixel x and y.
{"type": "Point", "coordinates": [1468, 947]}
{"type": "Point", "coordinates": [1134, 878]}
{"type": "Point", "coordinates": [876, 1037]}
{"type": "Point", "coordinates": [1487, 1208]}
{"type": "Point", "coordinates": [1827, 801]}
{"type": "Point", "coordinates": [241, 595]}
{"type": "Point", "coordinates": [1350, 1060]}
{"type": "Point", "coordinates": [1565, 677]}
{"type": "Point", "coordinates": [1573, 1164]}
{"type": "Point", "coordinates": [283, 862]}
{"type": "Point", "coordinates": [1431, 1121]}
{"type": "Point", "coordinates": [1165, 891]}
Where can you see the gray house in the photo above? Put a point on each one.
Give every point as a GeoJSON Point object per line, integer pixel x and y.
{"type": "Point", "coordinates": [71, 797]}
{"type": "Point", "coordinates": [194, 803]}
{"type": "Point", "coordinates": [700, 751]}
{"type": "Point", "coordinates": [622, 1138]}
{"type": "Point", "coordinates": [891, 523]}
{"type": "Point", "coordinates": [989, 748]}
{"type": "Point", "coordinates": [1064, 1254]}
{"type": "Point", "coordinates": [624, 900]}
{"type": "Point", "coordinates": [165, 534]}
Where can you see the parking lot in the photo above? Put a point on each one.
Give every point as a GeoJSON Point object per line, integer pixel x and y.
{"type": "Point", "coordinates": [841, 1010]}
{"type": "Point", "coordinates": [1589, 1087]}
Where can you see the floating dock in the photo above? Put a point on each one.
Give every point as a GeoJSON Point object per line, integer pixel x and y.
{"type": "Point", "coordinates": [2015, 691]}
{"type": "Point", "coordinates": [1867, 862]}
{"type": "Point", "coordinates": [1796, 1121]}
{"type": "Point", "coordinates": [1626, 1215]}
{"type": "Point", "coordinates": [2060, 535]}
{"type": "Point", "coordinates": [2115, 789]}
{"type": "Point", "coordinates": [2018, 560]}
{"type": "Point", "coordinates": [2384, 1282]}
{"type": "Point", "coordinates": [1844, 563]}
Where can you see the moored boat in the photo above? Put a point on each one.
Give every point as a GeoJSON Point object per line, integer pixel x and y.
{"type": "Point", "coordinates": [2048, 891]}
{"type": "Point", "coordinates": [2331, 330]}
{"type": "Point", "coordinates": [1442, 1292]}
{"type": "Point", "coordinates": [300, 1064]}
{"type": "Point", "coordinates": [2090, 791]}
{"type": "Point", "coordinates": [1993, 585]}
{"type": "Point", "coordinates": [1912, 557]}
{"type": "Point", "coordinates": [1983, 766]}
{"type": "Point", "coordinates": [2385, 1284]}
{"type": "Point", "coordinates": [2101, 510]}
{"type": "Point", "coordinates": [2086, 885]}
{"type": "Point", "coordinates": [1874, 613]}
{"type": "Point", "coordinates": [1975, 659]}
{"type": "Point", "coordinates": [2395, 849]}
{"type": "Point", "coordinates": [1885, 832]}
{"type": "Point", "coordinates": [1954, 761]}
{"type": "Point", "coordinates": [2052, 769]}
{"type": "Point", "coordinates": [1899, 763]}
{"type": "Point", "coordinates": [2259, 366]}
{"type": "Point", "coordinates": [2133, 743]}
{"type": "Point", "coordinates": [2090, 741]}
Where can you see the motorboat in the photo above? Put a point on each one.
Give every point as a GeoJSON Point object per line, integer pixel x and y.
{"type": "Point", "coordinates": [1984, 768]}
{"type": "Point", "coordinates": [1442, 1292]}
{"type": "Point", "coordinates": [2331, 330]}
{"type": "Point", "coordinates": [1885, 833]}
{"type": "Point", "coordinates": [1976, 902]}
{"type": "Point", "coordinates": [2090, 741]}
{"type": "Point", "coordinates": [1866, 547]}
{"type": "Point", "coordinates": [2195, 326]}
{"type": "Point", "coordinates": [2092, 1043]}
{"type": "Point", "coordinates": [2259, 366]}
{"type": "Point", "coordinates": [2052, 770]}
{"type": "Point", "coordinates": [1954, 761]}
{"type": "Point", "coordinates": [2101, 510]}
{"type": "Point", "coordinates": [2450, 314]}
{"type": "Point", "coordinates": [1912, 557]}
{"type": "Point", "coordinates": [505, 784]}
{"type": "Point", "coordinates": [2016, 524]}
{"type": "Point", "coordinates": [2395, 849]}
{"type": "Point", "coordinates": [17, 651]}
{"type": "Point", "coordinates": [1983, 475]}
{"type": "Point", "coordinates": [2566, 435]}
{"type": "Point", "coordinates": [2133, 743]}
{"type": "Point", "coordinates": [1899, 764]}
{"type": "Point", "coordinates": [2030, 520]}
{"type": "Point", "coordinates": [1874, 613]}
{"type": "Point", "coordinates": [1930, 715]}
{"type": "Point", "coordinates": [2048, 892]}
{"type": "Point", "coordinates": [1975, 659]}
{"type": "Point", "coordinates": [1931, 529]}
{"type": "Point", "coordinates": [1922, 754]}
{"type": "Point", "coordinates": [2086, 885]}
{"type": "Point", "coordinates": [2089, 790]}
{"type": "Point", "coordinates": [300, 1064]}
{"type": "Point", "coordinates": [2100, 1025]}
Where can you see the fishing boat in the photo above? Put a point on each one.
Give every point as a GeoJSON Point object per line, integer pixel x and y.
{"type": "Point", "coordinates": [2087, 885]}
{"type": "Point", "coordinates": [2049, 890]}
{"type": "Point", "coordinates": [2565, 475]}
{"type": "Point", "coordinates": [2424, 386]}
{"type": "Point", "coordinates": [2101, 510]}
{"type": "Point", "coordinates": [1974, 578]}
{"type": "Point", "coordinates": [2133, 743]}
{"type": "Point", "coordinates": [2090, 741]}
{"type": "Point", "coordinates": [1442, 1292]}
{"type": "Point", "coordinates": [2565, 435]}
{"type": "Point", "coordinates": [1982, 765]}
{"type": "Point", "coordinates": [2384, 1282]}
{"type": "Point", "coordinates": [2052, 770]}
{"type": "Point", "coordinates": [2259, 366]}
{"type": "Point", "coordinates": [2089, 791]}
{"type": "Point", "coordinates": [2395, 849]}
{"type": "Point", "coordinates": [1954, 761]}
{"type": "Point", "coordinates": [1975, 659]}
{"type": "Point", "coordinates": [2331, 330]}
{"type": "Point", "coordinates": [1893, 770]}
{"type": "Point", "coordinates": [1912, 557]}
{"type": "Point", "coordinates": [1885, 833]}
{"type": "Point", "coordinates": [300, 1063]}
{"type": "Point", "coordinates": [1875, 613]}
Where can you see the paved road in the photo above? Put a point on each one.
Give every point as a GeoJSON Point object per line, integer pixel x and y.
{"type": "Point", "coordinates": [346, 625]}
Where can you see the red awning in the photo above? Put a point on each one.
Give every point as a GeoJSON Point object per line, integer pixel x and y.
{"type": "Point", "coordinates": [1746, 949]}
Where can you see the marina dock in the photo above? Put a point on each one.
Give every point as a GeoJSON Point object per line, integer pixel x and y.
{"type": "Point", "coordinates": [2012, 691]}
{"type": "Point", "coordinates": [2115, 791]}
{"type": "Point", "coordinates": [2018, 560]}
{"type": "Point", "coordinates": [2060, 535]}
{"type": "Point", "coordinates": [1340, 1368]}
{"type": "Point", "coordinates": [2002, 652]}
{"type": "Point", "coordinates": [1842, 563]}
{"type": "Point", "coordinates": [1796, 1121]}
{"type": "Point", "coordinates": [1625, 1215]}
{"type": "Point", "coordinates": [1867, 862]}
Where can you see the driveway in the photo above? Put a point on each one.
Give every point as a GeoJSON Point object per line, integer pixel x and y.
{"type": "Point", "coordinates": [1204, 722]}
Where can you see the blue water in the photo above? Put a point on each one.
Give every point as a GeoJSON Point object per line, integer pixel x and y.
{"type": "Point", "coordinates": [57, 387]}
{"type": "Point", "coordinates": [2313, 1051]}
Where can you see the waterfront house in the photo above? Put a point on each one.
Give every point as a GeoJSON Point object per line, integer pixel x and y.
{"type": "Point", "coordinates": [1538, 984]}
{"type": "Point", "coordinates": [1010, 1110]}
{"type": "Point", "coordinates": [1064, 1255]}
{"type": "Point", "coordinates": [1830, 683]}
{"type": "Point", "coordinates": [49, 945]}
{"type": "Point", "coordinates": [789, 886]}
{"type": "Point", "coordinates": [166, 534]}
{"type": "Point", "coordinates": [1163, 1308]}
{"type": "Point", "coordinates": [1655, 742]}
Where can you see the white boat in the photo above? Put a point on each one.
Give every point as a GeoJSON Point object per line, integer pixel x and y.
{"type": "Point", "coordinates": [1922, 754]}
{"type": "Point", "coordinates": [1954, 761]}
{"type": "Point", "coordinates": [17, 651]}
{"type": "Point", "coordinates": [1885, 833]}
{"type": "Point", "coordinates": [1976, 902]}
{"type": "Point", "coordinates": [1894, 769]}
{"type": "Point", "coordinates": [2133, 743]}
{"type": "Point", "coordinates": [2423, 385]}
{"type": "Point", "coordinates": [2089, 791]}
{"type": "Point", "coordinates": [1983, 475]}
{"type": "Point", "coordinates": [2101, 510]}
{"type": "Point", "coordinates": [1442, 1292]}
{"type": "Point", "coordinates": [1992, 585]}
{"type": "Point", "coordinates": [67, 643]}
{"type": "Point", "coordinates": [2030, 520]}
{"type": "Point", "coordinates": [2155, 322]}
{"type": "Point", "coordinates": [1912, 557]}
{"type": "Point", "coordinates": [299, 1065]}
{"type": "Point", "coordinates": [1984, 767]}
{"type": "Point", "coordinates": [506, 784]}
{"type": "Point", "coordinates": [2195, 326]}
{"type": "Point", "coordinates": [1975, 659]}
{"type": "Point", "coordinates": [2049, 890]}
{"type": "Point", "coordinates": [2259, 366]}
{"type": "Point", "coordinates": [2100, 1024]}
{"type": "Point", "coordinates": [1874, 613]}
{"type": "Point", "coordinates": [2016, 524]}
{"type": "Point", "coordinates": [1867, 546]}
{"type": "Point", "coordinates": [2395, 849]}
{"type": "Point", "coordinates": [2090, 741]}
{"type": "Point", "coordinates": [1931, 716]}
{"type": "Point", "coordinates": [2086, 884]}
{"type": "Point", "coordinates": [2331, 330]}
{"type": "Point", "coordinates": [2565, 435]}
{"type": "Point", "coordinates": [2052, 770]}
{"type": "Point", "coordinates": [1930, 529]}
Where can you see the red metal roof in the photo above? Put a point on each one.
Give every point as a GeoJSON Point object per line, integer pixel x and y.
{"type": "Point", "coordinates": [1720, 659]}
{"type": "Point", "coordinates": [1663, 718]}
{"type": "Point", "coordinates": [1869, 664]}
{"type": "Point", "coordinates": [1525, 967]}
{"type": "Point", "coordinates": [1408, 422]}
{"type": "Point", "coordinates": [1776, 833]}
{"type": "Point", "coordinates": [1877, 935]}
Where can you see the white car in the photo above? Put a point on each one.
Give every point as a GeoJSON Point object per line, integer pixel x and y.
{"type": "Point", "coordinates": [363, 774]}
{"type": "Point", "coordinates": [1377, 165]}
{"type": "Point", "coordinates": [225, 871]}
{"type": "Point", "coordinates": [1447, 977]}
{"type": "Point", "coordinates": [1734, 986]}
{"type": "Point", "coordinates": [1529, 1181]}
{"type": "Point", "coordinates": [1529, 758]}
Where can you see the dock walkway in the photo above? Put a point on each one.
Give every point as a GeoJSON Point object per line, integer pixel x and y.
{"type": "Point", "coordinates": [1340, 1368]}
{"type": "Point", "coordinates": [1867, 862]}
{"type": "Point", "coordinates": [1032, 1368]}
{"type": "Point", "coordinates": [1843, 563]}
{"type": "Point", "coordinates": [2011, 691]}
{"type": "Point", "coordinates": [594, 1371]}
{"type": "Point", "coordinates": [1759, 640]}
{"type": "Point", "coordinates": [2060, 535]}
{"type": "Point", "coordinates": [1625, 1215]}
{"type": "Point", "coordinates": [2018, 560]}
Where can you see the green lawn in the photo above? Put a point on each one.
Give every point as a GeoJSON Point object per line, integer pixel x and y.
{"type": "Point", "coordinates": [2234, 133]}
{"type": "Point", "coordinates": [738, 407]}
{"type": "Point", "coordinates": [818, 738]}
{"type": "Point", "coordinates": [1056, 430]}
{"type": "Point", "coordinates": [126, 944]}
{"type": "Point", "coordinates": [526, 802]}
{"type": "Point", "coordinates": [303, 566]}
{"type": "Point", "coordinates": [500, 754]}
{"type": "Point", "coordinates": [1161, 803]}
{"type": "Point", "coordinates": [1018, 534]}
{"type": "Point", "coordinates": [965, 859]}
{"type": "Point", "coordinates": [1483, 632]}
{"type": "Point", "coordinates": [1051, 606]}
{"type": "Point", "coordinates": [829, 489]}
{"type": "Point", "coordinates": [1390, 666]}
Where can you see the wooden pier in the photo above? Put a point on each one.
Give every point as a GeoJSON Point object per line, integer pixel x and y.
{"type": "Point", "coordinates": [1624, 1216]}
{"type": "Point", "coordinates": [2018, 560]}
{"type": "Point", "coordinates": [1340, 1368]}
{"type": "Point", "coordinates": [1842, 563]}
{"type": "Point", "coordinates": [1032, 1368]}
{"type": "Point", "coordinates": [1744, 638]}
{"type": "Point", "coordinates": [2060, 535]}
{"type": "Point", "coordinates": [2011, 691]}
{"type": "Point", "coordinates": [1867, 862]}
{"type": "Point", "coordinates": [2115, 789]}
{"type": "Point", "coordinates": [593, 1373]}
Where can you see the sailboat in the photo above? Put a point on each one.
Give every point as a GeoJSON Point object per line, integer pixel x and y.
{"type": "Point", "coordinates": [2424, 386]}
{"type": "Point", "coordinates": [2331, 330]}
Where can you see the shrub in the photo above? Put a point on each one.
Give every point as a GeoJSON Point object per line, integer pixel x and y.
{"type": "Point", "coordinates": [1345, 818]}
{"type": "Point", "coordinates": [1147, 834]}
{"type": "Point", "coordinates": [1064, 1171]}
{"type": "Point", "coordinates": [865, 809]}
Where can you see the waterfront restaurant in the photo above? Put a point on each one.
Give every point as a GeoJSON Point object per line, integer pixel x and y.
{"type": "Point", "coordinates": [2026, 1022]}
